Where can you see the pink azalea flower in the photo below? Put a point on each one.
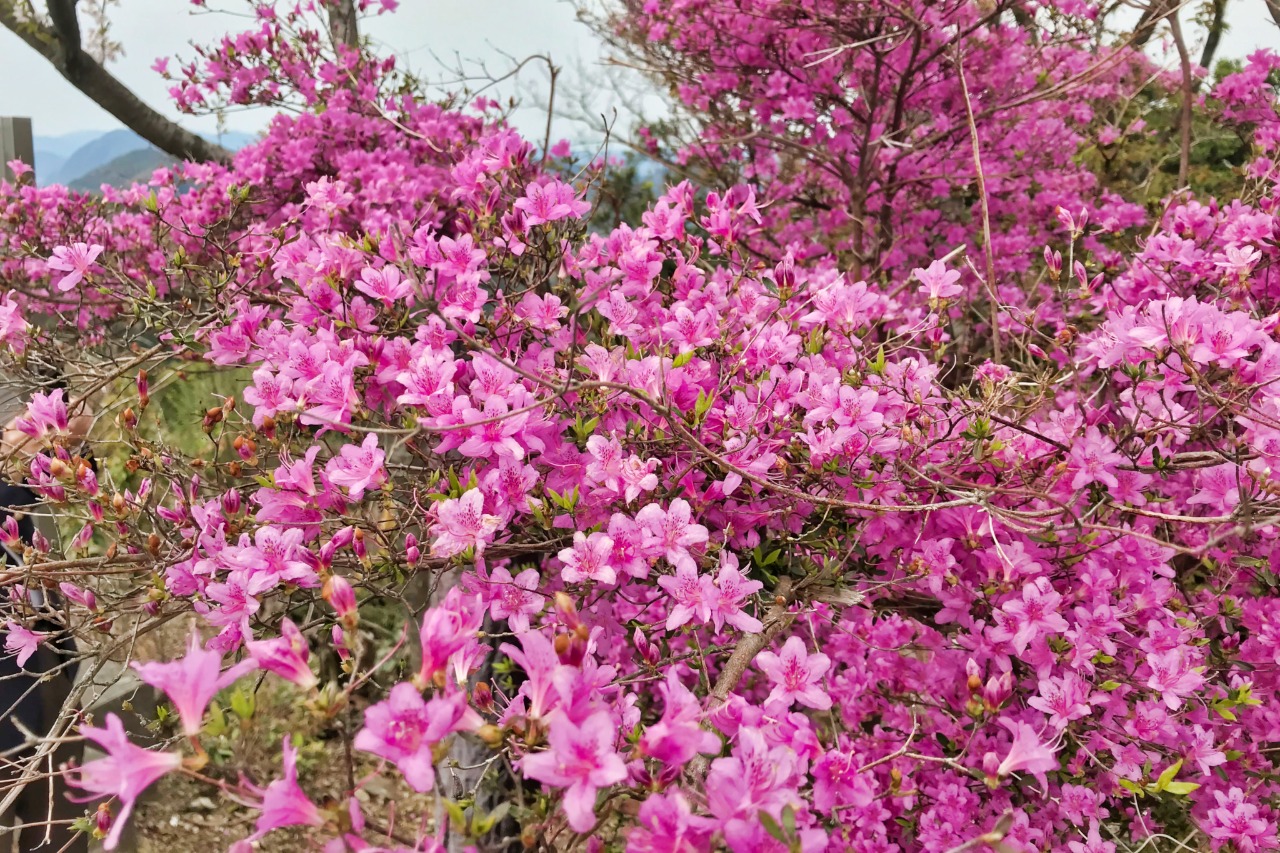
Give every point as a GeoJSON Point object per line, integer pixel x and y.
{"type": "Point", "coordinates": [283, 802]}
{"type": "Point", "coordinates": [286, 655]}
{"type": "Point", "coordinates": [358, 469]}
{"type": "Point", "coordinates": [588, 559]}
{"type": "Point", "coordinates": [404, 730]}
{"type": "Point", "coordinates": [462, 524]}
{"type": "Point", "coordinates": [384, 285]}
{"type": "Point", "coordinates": [1173, 677]}
{"type": "Point", "coordinates": [796, 675]}
{"type": "Point", "coordinates": [1238, 820]}
{"type": "Point", "coordinates": [22, 640]}
{"type": "Point", "coordinates": [671, 532]}
{"type": "Point", "coordinates": [192, 682]}
{"type": "Point", "coordinates": [678, 736]}
{"type": "Point", "coordinates": [1094, 460]}
{"type": "Point", "coordinates": [1027, 754]}
{"type": "Point", "coordinates": [581, 758]}
{"type": "Point", "coordinates": [126, 772]}
{"type": "Point", "coordinates": [514, 599]}
{"type": "Point", "coordinates": [46, 414]}
{"type": "Point", "coordinates": [75, 261]}
{"type": "Point", "coordinates": [668, 825]}
{"type": "Point", "coordinates": [937, 282]}
{"type": "Point", "coordinates": [1021, 621]}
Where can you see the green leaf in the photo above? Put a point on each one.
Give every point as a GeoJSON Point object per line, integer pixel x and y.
{"type": "Point", "coordinates": [1109, 685]}
{"type": "Point", "coordinates": [682, 359]}
{"type": "Point", "coordinates": [1170, 773]}
{"type": "Point", "coordinates": [771, 826]}
{"type": "Point", "coordinates": [243, 704]}
{"type": "Point", "coordinates": [1181, 789]}
{"type": "Point", "coordinates": [1131, 786]}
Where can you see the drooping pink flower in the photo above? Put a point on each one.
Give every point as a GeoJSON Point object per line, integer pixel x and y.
{"type": "Point", "coordinates": [447, 629]}
{"type": "Point", "coordinates": [23, 641]}
{"type": "Point", "coordinates": [283, 802]}
{"type": "Point", "coordinates": [796, 675]}
{"type": "Point", "coordinates": [192, 682]}
{"type": "Point", "coordinates": [75, 261]}
{"type": "Point", "coordinates": [678, 736]}
{"type": "Point", "coordinates": [286, 656]}
{"type": "Point", "coordinates": [1027, 753]}
{"type": "Point", "coordinates": [126, 771]}
{"type": "Point", "coordinates": [582, 759]}
{"type": "Point", "coordinates": [45, 414]}
{"type": "Point", "coordinates": [404, 729]}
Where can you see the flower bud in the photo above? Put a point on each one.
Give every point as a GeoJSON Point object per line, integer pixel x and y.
{"type": "Point", "coordinates": [102, 821]}
{"type": "Point", "coordinates": [129, 419]}
{"type": "Point", "coordinates": [337, 591]}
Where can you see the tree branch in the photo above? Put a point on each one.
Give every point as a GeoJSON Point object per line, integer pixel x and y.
{"type": "Point", "coordinates": [101, 86]}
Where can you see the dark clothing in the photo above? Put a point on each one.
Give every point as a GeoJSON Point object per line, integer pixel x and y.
{"type": "Point", "coordinates": [36, 706]}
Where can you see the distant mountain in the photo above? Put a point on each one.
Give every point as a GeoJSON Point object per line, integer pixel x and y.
{"type": "Point", "coordinates": [98, 152]}
{"type": "Point", "coordinates": [64, 144]}
{"type": "Point", "coordinates": [129, 168]}
{"type": "Point", "coordinates": [87, 159]}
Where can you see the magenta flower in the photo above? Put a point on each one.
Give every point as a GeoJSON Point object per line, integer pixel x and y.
{"type": "Point", "coordinates": [581, 758]}
{"type": "Point", "coordinates": [588, 559]}
{"type": "Point", "coordinates": [678, 736]}
{"type": "Point", "coordinates": [75, 261]}
{"type": "Point", "coordinates": [462, 524]}
{"type": "Point", "coordinates": [284, 803]}
{"type": "Point", "coordinates": [446, 630]}
{"type": "Point", "coordinates": [668, 825]}
{"type": "Point", "coordinates": [1027, 754]}
{"type": "Point", "coordinates": [358, 469]}
{"type": "Point", "coordinates": [22, 640]}
{"type": "Point", "coordinates": [796, 675]}
{"type": "Point", "coordinates": [1094, 460]}
{"type": "Point", "coordinates": [192, 682]}
{"type": "Point", "coordinates": [1021, 621]}
{"type": "Point", "coordinates": [384, 285]}
{"type": "Point", "coordinates": [549, 202]}
{"type": "Point", "coordinates": [937, 282]}
{"type": "Point", "coordinates": [46, 413]}
{"type": "Point", "coordinates": [671, 532]}
{"type": "Point", "coordinates": [1238, 820]}
{"type": "Point", "coordinates": [126, 772]}
{"type": "Point", "coordinates": [1173, 677]}
{"type": "Point", "coordinates": [514, 599]}
{"type": "Point", "coordinates": [286, 655]}
{"type": "Point", "coordinates": [404, 730]}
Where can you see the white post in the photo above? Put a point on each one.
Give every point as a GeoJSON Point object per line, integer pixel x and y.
{"type": "Point", "coordinates": [16, 143]}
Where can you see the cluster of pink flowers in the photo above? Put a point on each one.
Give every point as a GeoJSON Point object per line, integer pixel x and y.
{"type": "Point", "coordinates": [724, 553]}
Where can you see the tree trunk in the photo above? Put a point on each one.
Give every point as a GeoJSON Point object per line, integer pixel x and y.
{"type": "Point", "coordinates": [343, 25]}
{"type": "Point", "coordinates": [88, 75]}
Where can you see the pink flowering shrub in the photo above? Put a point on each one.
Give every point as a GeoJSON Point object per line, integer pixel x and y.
{"type": "Point", "coordinates": [706, 544]}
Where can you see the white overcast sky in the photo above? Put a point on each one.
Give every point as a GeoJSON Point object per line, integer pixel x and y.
{"type": "Point", "coordinates": [474, 29]}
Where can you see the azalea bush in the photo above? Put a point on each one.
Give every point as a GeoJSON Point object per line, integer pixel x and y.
{"type": "Point", "coordinates": [729, 527]}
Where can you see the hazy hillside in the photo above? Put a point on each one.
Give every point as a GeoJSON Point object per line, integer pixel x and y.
{"type": "Point", "coordinates": [130, 167]}
{"type": "Point", "coordinates": [86, 159]}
